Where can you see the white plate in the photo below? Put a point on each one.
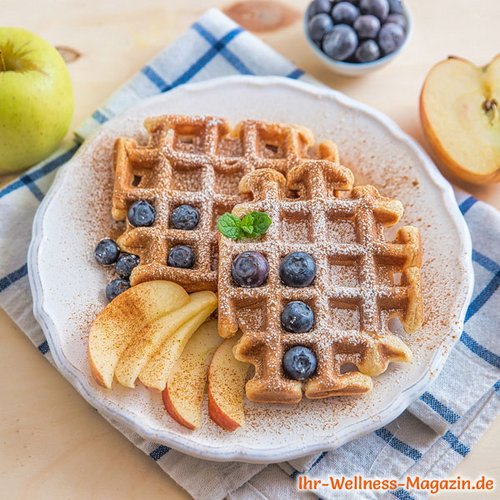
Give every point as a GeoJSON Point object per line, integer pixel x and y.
{"type": "Point", "coordinates": [68, 285]}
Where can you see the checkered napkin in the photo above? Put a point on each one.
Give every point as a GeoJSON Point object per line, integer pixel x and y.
{"type": "Point", "coordinates": [436, 431]}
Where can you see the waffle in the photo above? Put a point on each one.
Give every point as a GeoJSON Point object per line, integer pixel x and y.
{"type": "Point", "coordinates": [198, 161]}
{"type": "Point", "coordinates": [361, 282]}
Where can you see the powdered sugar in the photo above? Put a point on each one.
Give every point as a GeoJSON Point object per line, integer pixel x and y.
{"type": "Point", "coordinates": [196, 160]}
{"type": "Point", "coordinates": [307, 223]}
{"type": "Point", "coordinates": [377, 152]}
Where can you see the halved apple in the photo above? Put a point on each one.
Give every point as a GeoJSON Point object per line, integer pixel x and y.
{"type": "Point", "coordinates": [460, 114]}
{"type": "Point", "coordinates": [226, 386]}
{"type": "Point", "coordinates": [120, 321]}
{"type": "Point", "coordinates": [183, 394]}
{"type": "Point", "coordinates": [156, 371]}
{"type": "Point", "coordinates": [152, 336]}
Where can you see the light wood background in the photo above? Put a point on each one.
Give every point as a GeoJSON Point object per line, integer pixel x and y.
{"type": "Point", "coordinates": [52, 444]}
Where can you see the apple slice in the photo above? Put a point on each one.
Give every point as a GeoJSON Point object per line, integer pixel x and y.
{"type": "Point", "coordinates": [460, 114]}
{"type": "Point", "coordinates": [156, 371]}
{"type": "Point", "coordinates": [151, 338]}
{"type": "Point", "coordinates": [120, 321]}
{"type": "Point", "coordinates": [226, 386]}
{"type": "Point", "coordinates": [183, 394]}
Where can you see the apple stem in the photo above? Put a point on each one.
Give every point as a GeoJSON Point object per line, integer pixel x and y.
{"type": "Point", "coordinates": [2, 62]}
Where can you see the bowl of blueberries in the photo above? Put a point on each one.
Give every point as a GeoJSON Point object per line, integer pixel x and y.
{"type": "Point", "coordinates": [354, 37]}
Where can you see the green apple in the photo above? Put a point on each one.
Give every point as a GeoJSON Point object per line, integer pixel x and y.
{"type": "Point", "coordinates": [36, 99]}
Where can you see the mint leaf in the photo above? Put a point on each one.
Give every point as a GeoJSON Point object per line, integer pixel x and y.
{"type": "Point", "coordinates": [230, 226]}
{"type": "Point", "coordinates": [247, 224]}
{"type": "Point", "coordinates": [261, 222]}
{"type": "Point", "coordinates": [253, 225]}
{"type": "Point", "coordinates": [253, 235]}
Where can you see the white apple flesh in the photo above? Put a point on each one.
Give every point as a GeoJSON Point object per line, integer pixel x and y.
{"type": "Point", "coordinates": [460, 114]}
{"type": "Point", "coordinates": [183, 395]}
{"type": "Point", "coordinates": [153, 335]}
{"type": "Point", "coordinates": [226, 387]}
{"type": "Point", "coordinates": [122, 320]}
{"type": "Point", "coordinates": [159, 367]}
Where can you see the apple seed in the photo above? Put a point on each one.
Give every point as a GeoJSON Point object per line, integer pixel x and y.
{"type": "Point", "coordinates": [490, 107]}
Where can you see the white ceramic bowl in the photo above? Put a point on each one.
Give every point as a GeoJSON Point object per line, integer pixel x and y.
{"type": "Point", "coordinates": [358, 69]}
{"type": "Point", "coordinates": [68, 285]}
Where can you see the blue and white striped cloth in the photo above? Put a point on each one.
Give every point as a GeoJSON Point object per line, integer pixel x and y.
{"type": "Point", "coordinates": [436, 431]}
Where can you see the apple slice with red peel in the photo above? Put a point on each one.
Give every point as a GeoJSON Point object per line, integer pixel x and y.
{"type": "Point", "coordinates": [152, 337]}
{"type": "Point", "coordinates": [226, 387]}
{"type": "Point", "coordinates": [156, 371]}
{"type": "Point", "coordinates": [183, 395]}
{"type": "Point", "coordinates": [116, 326]}
{"type": "Point", "coordinates": [460, 114]}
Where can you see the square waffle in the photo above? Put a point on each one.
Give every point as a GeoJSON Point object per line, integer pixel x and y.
{"type": "Point", "coordinates": [361, 281]}
{"type": "Point", "coordinates": [197, 161]}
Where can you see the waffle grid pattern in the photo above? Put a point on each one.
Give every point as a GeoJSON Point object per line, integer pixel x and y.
{"type": "Point", "coordinates": [197, 161]}
{"type": "Point", "coordinates": [367, 345]}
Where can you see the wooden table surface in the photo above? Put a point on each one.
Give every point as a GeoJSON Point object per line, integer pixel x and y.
{"type": "Point", "coordinates": [53, 444]}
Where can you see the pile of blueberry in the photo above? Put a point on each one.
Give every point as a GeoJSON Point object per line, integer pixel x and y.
{"type": "Point", "coordinates": [142, 214]}
{"type": "Point", "coordinates": [297, 270]}
{"type": "Point", "coordinates": [108, 253]}
{"type": "Point", "coordinates": [357, 31]}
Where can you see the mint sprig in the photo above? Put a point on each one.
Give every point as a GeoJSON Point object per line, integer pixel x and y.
{"type": "Point", "coordinates": [252, 225]}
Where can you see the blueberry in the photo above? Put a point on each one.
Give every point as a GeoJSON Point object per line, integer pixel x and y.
{"type": "Point", "coordinates": [340, 43]}
{"type": "Point", "coordinates": [106, 252]}
{"type": "Point", "coordinates": [299, 363]}
{"type": "Point", "coordinates": [378, 8]}
{"type": "Point", "coordinates": [319, 25]}
{"type": "Point", "coordinates": [250, 269]}
{"type": "Point", "coordinates": [391, 37]}
{"type": "Point", "coordinates": [298, 269]}
{"type": "Point", "coordinates": [368, 51]}
{"type": "Point", "coordinates": [297, 317]}
{"type": "Point", "coordinates": [344, 13]}
{"type": "Point", "coordinates": [396, 7]}
{"type": "Point", "coordinates": [398, 19]}
{"type": "Point", "coordinates": [367, 26]}
{"type": "Point", "coordinates": [318, 7]}
{"type": "Point", "coordinates": [125, 263]}
{"type": "Point", "coordinates": [141, 213]}
{"type": "Point", "coordinates": [181, 256]}
{"type": "Point", "coordinates": [185, 217]}
{"type": "Point", "coordinates": [115, 287]}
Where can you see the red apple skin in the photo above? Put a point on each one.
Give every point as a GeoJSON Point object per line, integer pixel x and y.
{"type": "Point", "coordinates": [452, 168]}
{"type": "Point", "coordinates": [220, 418]}
{"type": "Point", "coordinates": [169, 406]}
